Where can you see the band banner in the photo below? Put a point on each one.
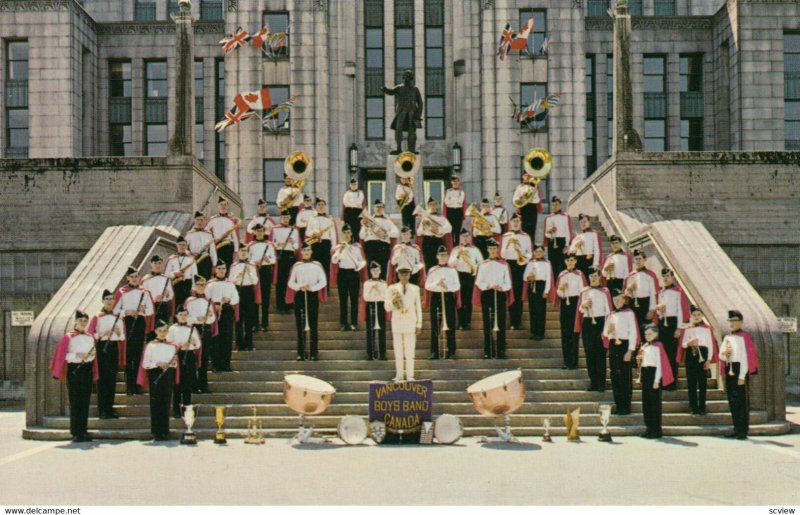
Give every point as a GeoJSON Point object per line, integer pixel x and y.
{"type": "Point", "coordinates": [402, 406]}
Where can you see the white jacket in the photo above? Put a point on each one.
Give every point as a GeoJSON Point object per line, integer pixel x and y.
{"type": "Point", "coordinates": [409, 319]}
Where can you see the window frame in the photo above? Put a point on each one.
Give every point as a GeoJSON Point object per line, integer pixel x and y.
{"type": "Point", "coordinates": [285, 51]}
{"type": "Point", "coordinates": [527, 127]}
{"type": "Point", "coordinates": [285, 126]}
{"type": "Point", "coordinates": [536, 37]}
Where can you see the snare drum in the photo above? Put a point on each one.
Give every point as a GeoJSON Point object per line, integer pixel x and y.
{"type": "Point", "coordinates": [499, 394]}
{"type": "Point", "coordinates": [352, 429]}
{"type": "Point", "coordinates": [307, 395]}
{"type": "Point", "coordinates": [448, 429]}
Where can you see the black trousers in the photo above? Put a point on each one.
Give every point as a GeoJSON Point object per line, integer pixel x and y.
{"type": "Point", "coordinates": [407, 215]}
{"type": "Point", "coordinates": [378, 251]}
{"type": "Point", "coordinates": [697, 379]}
{"type": "Point", "coordinates": [737, 400]}
{"type": "Point", "coordinates": [583, 264]}
{"type": "Point", "coordinates": [517, 283]}
{"type": "Point", "coordinates": [322, 252]}
{"type": "Point", "coordinates": [248, 317]}
{"type": "Point", "coordinates": [467, 281]}
{"type": "Point", "coordinates": [456, 219]}
{"type": "Point", "coordinates": [640, 307]}
{"type": "Point", "coordinates": [182, 292]}
{"type": "Point", "coordinates": [621, 376]}
{"type": "Point", "coordinates": [480, 244]}
{"type": "Point", "coordinates": [348, 283]}
{"type": "Point", "coordinates": [430, 245]}
{"type": "Point", "coordinates": [569, 338]}
{"type": "Point", "coordinates": [488, 310]}
{"type": "Point", "coordinates": [134, 336]}
{"type": "Point", "coordinates": [666, 332]}
{"type": "Point", "coordinates": [286, 260]}
{"type": "Point", "coordinates": [436, 322]}
{"type": "Point", "coordinates": [225, 253]}
{"type": "Point", "coordinates": [204, 268]}
{"type": "Point", "coordinates": [537, 309]}
{"type": "Point", "coordinates": [265, 283]}
{"type": "Point", "coordinates": [293, 214]}
{"type": "Point", "coordinates": [187, 360]}
{"type": "Point", "coordinates": [79, 388]}
{"type": "Point", "coordinates": [529, 214]}
{"type": "Point", "coordinates": [107, 361]}
{"type": "Point", "coordinates": [592, 334]}
{"type": "Point", "coordinates": [351, 218]}
{"type": "Point", "coordinates": [162, 313]}
{"type": "Point", "coordinates": [651, 402]}
{"type": "Point", "coordinates": [202, 367]}
{"type": "Point", "coordinates": [376, 309]}
{"type": "Point", "coordinates": [223, 342]}
{"type": "Point", "coordinates": [615, 284]}
{"type": "Point", "coordinates": [301, 300]}
{"type": "Point", "coordinates": [555, 254]}
{"type": "Point", "coordinates": [161, 386]}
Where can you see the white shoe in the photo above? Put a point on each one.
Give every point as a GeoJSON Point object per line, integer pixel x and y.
{"type": "Point", "coordinates": [396, 379]}
{"type": "Point", "coordinates": [410, 379]}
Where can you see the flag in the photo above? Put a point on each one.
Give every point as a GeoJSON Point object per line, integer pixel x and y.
{"type": "Point", "coordinates": [505, 41]}
{"type": "Point", "coordinates": [276, 41]}
{"type": "Point", "coordinates": [253, 100]}
{"type": "Point", "coordinates": [233, 117]}
{"type": "Point", "coordinates": [516, 115]}
{"type": "Point", "coordinates": [520, 42]}
{"type": "Point", "coordinates": [272, 119]}
{"type": "Point", "coordinates": [545, 48]}
{"type": "Point", "coordinates": [550, 101]}
{"type": "Point", "coordinates": [234, 41]}
{"type": "Point", "coordinates": [259, 39]}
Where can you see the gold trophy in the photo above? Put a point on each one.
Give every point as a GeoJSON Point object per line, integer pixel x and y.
{"type": "Point", "coordinates": [572, 421]}
{"type": "Point", "coordinates": [219, 417]}
{"type": "Point", "coordinates": [255, 433]}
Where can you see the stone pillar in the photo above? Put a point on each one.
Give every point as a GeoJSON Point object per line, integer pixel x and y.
{"type": "Point", "coordinates": [625, 137]}
{"type": "Point", "coordinates": [181, 143]}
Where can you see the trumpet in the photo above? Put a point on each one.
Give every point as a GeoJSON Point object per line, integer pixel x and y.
{"type": "Point", "coordinates": [609, 267]}
{"type": "Point", "coordinates": [480, 223]}
{"type": "Point", "coordinates": [317, 237]}
{"type": "Point", "coordinates": [630, 290]}
{"type": "Point", "coordinates": [728, 356]}
{"type": "Point", "coordinates": [563, 289]}
{"type": "Point", "coordinates": [462, 255]}
{"type": "Point", "coordinates": [373, 226]}
{"type": "Point", "coordinates": [586, 307]}
{"type": "Point", "coordinates": [551, 233]}
{"type": "Point", "coordinates": [397, 301]}
{"type": "Point", "coordinates": [639, 359]}
{"type": "Point", "coordinates": [696, 350]}
{"type": "Point", "coordinates": [612, 333]}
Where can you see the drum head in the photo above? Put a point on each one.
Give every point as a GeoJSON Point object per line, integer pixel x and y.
{"type": "Point", "coordinates": [497, 380]}
{"type": "Point", "coordinates": [309, 383]}
{"type": "Point", "coordinates": [448, 429]}
{"type": "Point", "coordinates": [352, 429]}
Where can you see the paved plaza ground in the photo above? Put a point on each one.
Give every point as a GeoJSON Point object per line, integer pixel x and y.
{"type": "Point", "coordinates": [684, 470]}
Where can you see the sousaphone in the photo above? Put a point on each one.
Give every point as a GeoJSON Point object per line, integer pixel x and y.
{"type": "Point", "coordinates": [406, 165]}
{"type": "Point", "coordinates": [298, 165]}
{"type": "Point", "coordinates": [538, 163]}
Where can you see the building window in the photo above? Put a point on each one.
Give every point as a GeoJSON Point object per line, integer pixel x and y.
{"type": "Point", "coordinates": [791, 90]}
{"type": "Point", "coordinates": [16, 101]}
{"type": "Point", "coordinates": [610, 101]}
{"type": "Point", "coordinates": [219, 110]}
{"type": "Point", "coordinates": [376, 188]}
{"type": "Point", "coordinates": [664, 8]}
{"type": "Point", "coordinates": [144, 10]}
{"type": "Point", "coordinates": [530, 93]}
{"type": "Point", "coordinates": [655, 105]}
{"type": "Point", "coordinates": [210, 9]}
{"type": "Point", "coordinates": [403, 38]}
{"type": "Point", "coordinates": [280, 123]}
{"type": "Point", "coordinates": [591, 152]}
{"type": "Point", "coordinates": [273, 181]}
{"type": "Point", "coordinates": [536, 37]}
{"type": "Point", "coordinates": [434, 69]}
{"type": "Point", "coordinates": [373, 69]}
{"type": "Point", "coordinates": [120, 131]}
{"type": "Point", "coordinates": [278, 23]}
{"type": "Point", "coordinates": [434, 184]}
{"type": "Point", "coordinates": [155, 108]}
{"type": "Point", "coordinates": [199, 135]}
{"type": "Point", "coordinates": [635, 7]}
{"type": "Point", "coordinates": [172, 8]}
{"type": "Point", "coordinates": [691, 80]}
{"type": "Point", "coordinates": [597, 8]}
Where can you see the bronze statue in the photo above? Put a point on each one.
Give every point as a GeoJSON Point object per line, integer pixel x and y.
{"type": "Point", "coordinates": [408, 111]}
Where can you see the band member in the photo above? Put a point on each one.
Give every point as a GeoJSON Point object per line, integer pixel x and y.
{"type": "Point", "coordinates": [74, 360]}
{"type": "Point", "coordinates": [304, 216]}
{"type": "Point", "coordinates": [484, 228]}
{"type": "Point", "coordinates": [493, 291]}
{"type": "Point", "coordinates": [263, 219]}
{"type": "Point", "coordinates": [569, 284]}
{"type": "Point", "coordinates": [617, 265]}
{"type": "Point", "coordinates": [698, 350]}
{"type": "Point", "coordinates": [289, 198]}
{"type": "Point", "coordinates": [201, 245]}
{"type": "Point", "coordinates": [353, 203]}
{"type": "Point", "coordinates": [655, 374]}
{"type": "Point", "coordinates": [433, 232]}
{"type": "Point", "coordinates": [403, 300]}
{"type": "Point", "coordinates": [642, 286]}
{"type": "Point", "coordinates": [226, 303]}
{"type": "Point", "coordinates": [465, 258]}
{"type": "Point", "coordinates": [307, 284]}
{"type": "Point", "coordinates": [225, 229]}
{"type": "Point", "coordinates": [557, 235]}
{"type": "Point", "coordinates": [409, 254]}
{"type": "Point", "coordinates": [586, 246]}
{"type": "Point", "coordinates": [373, 313]}
{"type": "Point", "coordinates": [160, 288]}
{"type": "Point", "coordinates": [159, 371]}
{"type": "Point", "coordinates": [136, 305]}
{"type": "Point", "coordinates": [527, 199]}
{"type": "Point", "coordinates": [455, 206]}
{"type": "Point", "coordinates": [264, 258]}
{"type": "Point", "coordinates": [286, 239]}
{"type": "Point", "coordinates": [539, 288]}
{"type": "Point", "coordinates": [186, 338]}
{"type": "Point", "coordinates": [348, 263]}
{"type": "Point", "coordinates": [180, 270]}
{"type": "Point", "coordinates": [594, 305]}
{"type": "Point", "coordinates": [404, 195]}
{"type": "Point", "coordinates": [738, 361]}
{"type": "Point", "coordinates": [109, 332]}
{"type": "Point", "coordinates": [202, 316]}
{"type": "Point", "coordinates": [378, 240]}
{"type": "Point", "coordinates": [442, 286]}
{"type": "Point", "coordinates": [672, 310]}
{"type": "Point", "coordinates": [517, 250]}
{"type": "Point", "coordinates": [321, 235]}
{"type": "Point", "coordinates": [500, 212]}
{"type": "Point", "coordinates": [244, 275]}
{"type": "Point", "coordinates": [620, 338]}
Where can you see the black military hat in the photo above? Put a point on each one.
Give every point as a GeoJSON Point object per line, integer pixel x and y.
{"type": "Point", "coordinates": [497, 194]}
{"type": "Point", "coordinates": [181, 308]}
{"type": "Point", "coordinates": [162, 324]}
{"type": "Point", "coordinates": [594, 270]}
{"type": "Point", "coordinates": [464, 231]}
{"type": "Point", "coordinates": [378, 202]}
{"type": "Point", "coordinates": [735, 315]}
{"type": "Point", "coordinates": [199, 214]}
{"type": "Point", "coordinates": [441, 250]}
{"type": "Point", "coordinates": [374, 265]}
{"type": "Point", "coordinates": [262, 202]}
{"type": "Point", "coordinates": [306, 197]}
{"type": "Point", "coordinates": [320, 200]}
{"type": "Point", "coordinates": [80, 314]}
{"type": "Point", "coordinates": [131, 271]}
{"type": "Point", "coordinates": [258, 227]}
{"type": "Point", "coordinates": [665, 271]}
{"type": "Point", "coordinates": [650, 327]}
{"type": "Point", "coordinates": [405, 229]}
{"type": "Point", "coordinates": [220, 200]}
{"type": "Point", "coordinates": [156, 259]}
{"type": "Point", "coordinates": [694, 309]}
{"type": "Point", "coordinates": [485, 201]}
{"type": "Point", "coordinates": [106, 294]}
{"type": "Point", "coordinates": [639, 252]}
{"type": "Point", "coordinates": [244, 248]}
{"type": "Point", "coordinates": [555, 199]}
{"type": "Point", "coordinates": [306, 246]}
{"type": "Point", "coordinates": [222, 264]}
{"type": "Point", "coordinates": [516, 217]}
{"type": "Point", "coordinates": [181, 239]}
{"type": "Point", "coordinates": [491, 243]}
{"type": "Point", "coordinates": [199, 279]}
{"type": "Point", "coordinates": [571, 255]}
{"type": "Point", "coordinates": [285, 213]}
{"type": "Point", "coordinates": [431, 199]}
{"type": "Point", "coordinates": [614, 238]}
{"type": "Point", "coordinates": [455, 177]}
{"type": "Point", "coordinates": [347, 228]}
{"type": "Point", "coordinates": [583, 216]}
{"type": "Point", "coordinates": [353, 181]}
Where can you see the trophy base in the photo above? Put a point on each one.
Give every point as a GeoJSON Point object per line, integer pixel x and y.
{"type": "Point", "coordinates": [573, 438]}
{"type": "Point", "coordinates": [189, 439]}
{"type": "Point", "coordinates": [604, 437]}
{"type": "Point", "coordinates": [220, 438]}
{"type": "Point", "coordinates": [256, 440]}
{"type": "Point", "coordinates": [547, 438]}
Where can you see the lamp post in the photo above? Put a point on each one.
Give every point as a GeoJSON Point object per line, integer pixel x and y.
{"type": "Point", "coordinates": [456, 157]}
{"type": "Point", "coordinates": [353, 159]}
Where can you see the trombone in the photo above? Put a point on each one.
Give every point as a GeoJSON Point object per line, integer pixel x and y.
{"type": "Point", "coordinates": [639, 359]}
{"type": "Point", "coordinates": [443, 327]}
{"type": "Point", "coordinates": [304, 314]}
{"type": "Point", "coordinates": [495, 328]}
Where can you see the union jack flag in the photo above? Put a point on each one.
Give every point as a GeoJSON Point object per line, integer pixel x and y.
{"type": "Point", "coordinates": [520, 41]}
{"type": "Point", "coordinates": [234, 117]}
{"type": "Point", "coordinates": [234, 41]}
{"type": "Point", "coordinates": [505, 41]}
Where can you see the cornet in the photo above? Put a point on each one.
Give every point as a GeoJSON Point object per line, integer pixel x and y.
{"type": "Point", "coordinates": [728, 356]}
{"type": "Point", "coordinates": [639, 359]}
{"type": "Point", "coordinates": [521, 258]}
{"type": "Point", "coordinates": [397, 301]}
{"type": "Point", "coordinates": [587, 307]}
{"type": "Point", "coordinates": [630, 290]}
{"type": "Point", "coordinates": [563, 289]}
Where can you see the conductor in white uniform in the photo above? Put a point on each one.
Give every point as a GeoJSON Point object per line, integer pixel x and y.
{"type": "Point", "coordinates": [403, 299]}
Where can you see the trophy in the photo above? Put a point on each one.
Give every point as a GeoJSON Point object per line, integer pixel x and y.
{"type": "Point", "coordinates": [572, 421]}
{"type": "Point", "coordinates": [546, 437]}
{"type": "Point", "coordinates": [605, 416]}
{"type": "Point", "coordinates": [255, 433]}
{"type": "Point", "coordinates": [189, 417]}
{"type": "Point", "coordinates": [219, 417]}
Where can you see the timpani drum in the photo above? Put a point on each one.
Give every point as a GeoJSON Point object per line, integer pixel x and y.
{"type": "Point", "coordinates": [448, 429]}
{"type": "Point", "coordinates": [499, 394]}
{"type": "Point", "coordinates": [307, 395]}
{"type": "Point", "coordinates": [353, 429]}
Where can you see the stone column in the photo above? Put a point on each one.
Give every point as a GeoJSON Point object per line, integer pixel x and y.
{"type": "Point", "coordinates": [625, 137]}
{"type": "Point", "coordinates": [181, 143]}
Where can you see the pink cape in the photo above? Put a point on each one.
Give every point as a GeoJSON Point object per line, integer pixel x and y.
{"type": "Point", "coordinates": [290, 293]}
{"type": "Point", "coordinates": [58, 365]}
{"type": "Point", "coordinates": [605, 260]}
{"type": "Point", "coordinates": [554, 286]}
{"type": "Point", "coordinates": [667, 378]}
{"type": "Point", "coordinates": [122, 345]}
{"type": "Point", "coordinates": [680, 357]}
{"type": "Point", "coordinates": [476, 292]}
{"type": "Point", "coordinates": [171, 302]}
{"type": "Point", "coordinates": [256, 288]}
{"type": "Point", "coordinates": [463, 208]}
{"type": "Point", "coordinates": [579, 315]}
{"type": "Point", "coordinates": [648, 272]}
{"type": "Point", "coordinates": [150, 321]}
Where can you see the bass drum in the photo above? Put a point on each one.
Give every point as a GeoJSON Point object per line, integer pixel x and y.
{"type": "Point", "coordinates": [448, 429]}
{"type": "Point", "coordinates": [353, 429]}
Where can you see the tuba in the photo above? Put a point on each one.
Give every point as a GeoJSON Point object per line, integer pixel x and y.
{"type": "Point", "coordinates": [538, 163]}
{"type": "Point", "coordinates": [297, 166]}
{"type": "Point", "coordinates": [406, 166]}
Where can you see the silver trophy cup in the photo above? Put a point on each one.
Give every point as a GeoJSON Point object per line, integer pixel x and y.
{"type": "Point", "coordinates": [605, 416]}
{"type": "Point", "coordinates": [189, 417]}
